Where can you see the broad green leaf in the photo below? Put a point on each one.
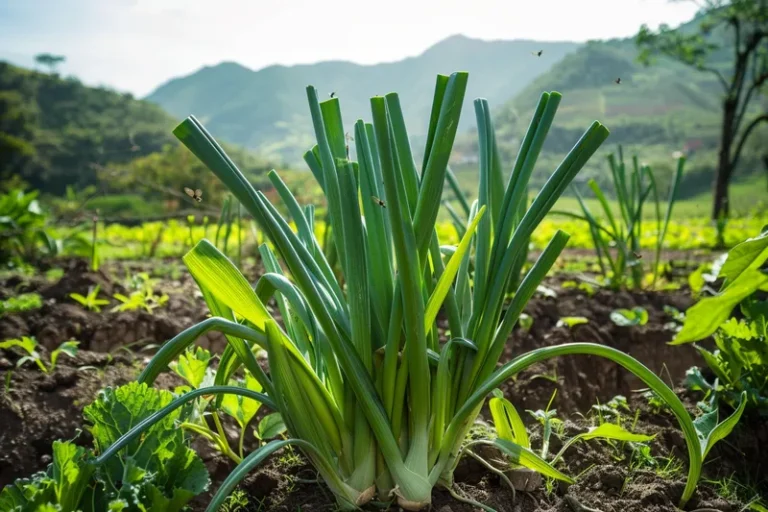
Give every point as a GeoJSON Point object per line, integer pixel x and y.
{"type": "Point", "coordinates": [704, 317]}
{"type": "Point", "coordinates": [525, 457]}
{"type": "Point", "coordinates": [271, 426]}
{"type": "Point", "coordinates": [710, 431]}
{"type": "Point", "coordinates": [218, 274]}
{"type": "Point", "coordinates": [627, 317]}
{"type": "Point", "coordinates": [162, 466]}
{"type": "Point", "coordinates": [191, 365]}
{"type": "Point", "coordinates": [571, 321]}
{"type": "Point", "coordinates": [749, 254]}
{"type": "Point", "coordinates": [71, 473]}
{"type": "Point", "coordinates": [242, 409]}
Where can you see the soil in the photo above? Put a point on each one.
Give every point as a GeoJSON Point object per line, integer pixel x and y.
{"type": "Point", "coordinates": [61, 318]}
{"type": "Point", "coordinates": [39, 408]}
{"type": "Point", "coordinates": [582, 381]}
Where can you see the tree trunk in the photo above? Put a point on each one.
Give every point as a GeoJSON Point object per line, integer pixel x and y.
{"type": "Point", "coordinates": [724, 168]}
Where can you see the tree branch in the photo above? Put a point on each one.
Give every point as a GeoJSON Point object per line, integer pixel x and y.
{"type": "Point", "coordinates": [759, 76]}
{"type": "Point", "coordinates": [718, 74]}
{"type": "Point", "coordinates": [744, 136]}
{"type": "Point", "coordinates": [756, 84]}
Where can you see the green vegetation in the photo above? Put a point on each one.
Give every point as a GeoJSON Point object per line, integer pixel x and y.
{"type": "Point", "coordinates": [381, 310]}
{"type": "Point", "coordinates": [29, 346]}
{"type": "Point", "coordinates": [740, 363]}
{"type": "Point", "coordinates": [344, 354]}
{"type": "Point", "coordinates": [624, 232]}
{"type": "Point", "coordinates": [262, 110]}
{"type": "Point", "coordinates": [19, 303]}
{"type": "Point", "coordinates": [157, 472]}
{"type": "Point", "coordinates": [193, 367]}
{"type": "Point", "coordinates": [57, 132]}
{"type": "Point", "coordinates": [738, 28]}
{"type": "Point", "coordinates": [91, 301]}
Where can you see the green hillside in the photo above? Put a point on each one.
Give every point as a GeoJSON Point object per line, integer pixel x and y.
{"type": "Point", "coordinates": [666, 103]}
{"type": "Point", "coordinates": [56, 132]}
{"type": "Point", "coordinates": [654, 112]}
{"type": "Point", "coordinates": [267, 109]}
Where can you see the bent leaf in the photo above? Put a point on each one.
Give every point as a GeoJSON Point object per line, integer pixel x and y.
{"type": "Point", "coordinates": [527, 458]}
{"type": "Point", "coordinates": [749, 254]}
{"type": "Point", "coordinates": [710, 431]}
{"type": "Point", "coordinates": [509, 424]}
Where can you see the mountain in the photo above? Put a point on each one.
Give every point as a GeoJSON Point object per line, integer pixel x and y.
{"type": "Point", "coordinates": [665, 103]}
{"type": "Point", "coordinates": [653, 111]}
{"type": "Point", "coordinates": [56, 132]}
{"type": "Point", "coordinates": [267, 109]}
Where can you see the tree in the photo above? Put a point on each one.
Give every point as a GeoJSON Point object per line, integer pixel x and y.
{"type": "Point", "coordinates": [731, 43]}
{"type": "Point", "coordinates": [49, 60]}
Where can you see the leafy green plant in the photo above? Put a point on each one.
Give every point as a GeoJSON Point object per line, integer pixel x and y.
{"type": "Point", "coordinates": [622, 233]}
{"type": "Point", "coordinates": [583, 286]}
{"type": "Point", "coordinates": [156, 472]}
{"type": "Point", "coordinates": [356, 370]}
{"type": "Point", "coordinates": [626, 317]}
{"type": "Point", "coordinates": [139, 300]}
{"type": "Point", "coordinates": [740, 362]}
{"type": "Point", "coordinates": [193, 367]}
{"type": "Point", "coordinates": [742, 275]}
{"type": "Point", "coordinates": [143, 296]}
{"type": "Point", "coordinates": [20, 303]}
{"type": "Point", "coordinates": [91, 301]}
{"type": "Point", "coordinates": [23, 237]}
{"type": "Point", "coordinates": [510, 428]}
{"type": "Point", "coordinates": [29, 345]}
{"type": "Point", "coordinates": [739, 365]}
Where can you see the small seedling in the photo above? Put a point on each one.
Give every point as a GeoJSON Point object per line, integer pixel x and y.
{"type": "Point", "coordinates": [91, 302]}
{"type": "Point", "coordinates": [29, 345]}
{"type": "Point", "coordinates": [629, 317]}
{"type": "Point", "coordinates": [571, 321]}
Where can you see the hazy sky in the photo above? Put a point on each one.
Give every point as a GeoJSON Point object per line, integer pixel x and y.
{"type": "Point", "coordinates": [135, 45]}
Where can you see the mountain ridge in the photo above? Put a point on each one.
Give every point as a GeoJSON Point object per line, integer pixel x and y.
{"type": "Point", "coordinates": [227, 97]}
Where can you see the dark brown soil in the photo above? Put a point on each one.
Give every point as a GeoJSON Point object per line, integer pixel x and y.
{"type": "Point", "coordinates": [41, 408]}
{"type": "Point", "coordinates": [61, 318]}
{"type": "Point", "coordinates": [581, 381]}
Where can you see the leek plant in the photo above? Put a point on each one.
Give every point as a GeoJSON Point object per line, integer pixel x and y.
{"type": "Point", "coordinates": [357, 370]}
{"type": "Point", "coordinates": [623, 232]}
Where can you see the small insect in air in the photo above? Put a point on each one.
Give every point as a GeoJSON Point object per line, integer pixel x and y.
{"type": "Point", "coordinates": [618, 80]}
{"type": "Point", "coordinates": [379, 201]}
{"type": "Point", "coordinates": [196, 194]}
{"type": "Point", "coordinates": [333, 95]}
{"type": "Point", "coordinates": [637, 255]}
{"type": "Point", "coordinates": [538, 53]}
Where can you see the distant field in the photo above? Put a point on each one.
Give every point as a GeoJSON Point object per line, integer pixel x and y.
{"type": "Point", "coordinates": [747, 198]}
